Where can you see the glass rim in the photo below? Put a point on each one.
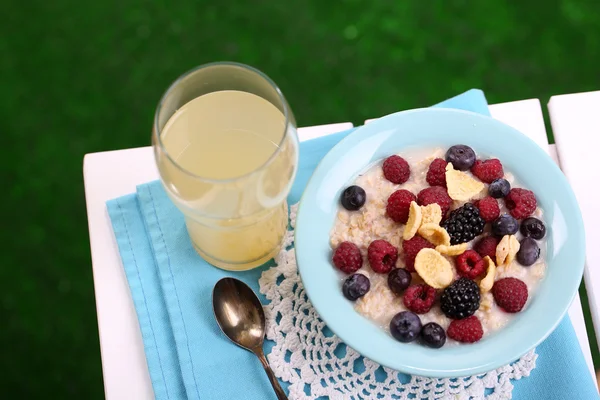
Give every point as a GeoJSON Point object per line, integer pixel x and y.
{"type": "Point", "coordinates": [172, 86]}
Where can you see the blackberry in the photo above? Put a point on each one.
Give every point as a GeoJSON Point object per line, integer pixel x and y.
{"type": "Point", "coordinates": [464, 224]}
{"type": "Point", "coordinates": [461, 299]}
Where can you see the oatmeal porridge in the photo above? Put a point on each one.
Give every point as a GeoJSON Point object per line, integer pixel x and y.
{"type": "Point", "coordinates": [437, 243]}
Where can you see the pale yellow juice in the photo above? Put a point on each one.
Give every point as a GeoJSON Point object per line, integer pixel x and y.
{"type": "Point", "coordinates": [231, 171]}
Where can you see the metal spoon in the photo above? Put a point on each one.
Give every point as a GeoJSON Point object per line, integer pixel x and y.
{"type": "Point", "coordinates": [241, 317]}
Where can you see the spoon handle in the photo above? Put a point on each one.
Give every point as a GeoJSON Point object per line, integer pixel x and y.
{"type": "Point", "coordinates": [276, 387]}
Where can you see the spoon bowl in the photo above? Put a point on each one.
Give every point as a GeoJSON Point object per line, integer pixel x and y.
{"type": "Point", "coordinates": [241, 317]}
{"type": "Point", "coordinates": [239, 313]}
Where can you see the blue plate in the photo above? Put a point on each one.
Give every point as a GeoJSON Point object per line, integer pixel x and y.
{"type": "Point", "coordinates": [440, 127]}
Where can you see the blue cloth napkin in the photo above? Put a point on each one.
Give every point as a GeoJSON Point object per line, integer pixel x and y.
{"type": "Point", "coordinates": [188, 356]}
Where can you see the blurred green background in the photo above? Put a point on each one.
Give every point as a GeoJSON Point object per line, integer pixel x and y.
{"type": "Point", "coordinates": [81, 77]}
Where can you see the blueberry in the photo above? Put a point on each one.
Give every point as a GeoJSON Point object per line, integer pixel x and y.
{"type": "Point", "coordinates": [505, 224]}
{"type": "Point", "coordinates": [357, 285]}
{"type": "Point", "coordinates": [433, 335]}
{"type": "Point", "coordinates": [398, 280]}
{"type": "Point", "coordinates": [353, 198]}
{"type": "Point", "coordinates": [528, 253]}
{"type": "Point", "coordinates": [462, 157]}
{"type": "Point", "coordinates": [405, 326]}
{"type": "Point", "coordinates": [533, 227]}
{"type": "Point", "coordinates": [499, 188]}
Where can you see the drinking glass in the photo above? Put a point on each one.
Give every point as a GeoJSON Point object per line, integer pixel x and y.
{"type": "Point", "coordinates": [226, 147]}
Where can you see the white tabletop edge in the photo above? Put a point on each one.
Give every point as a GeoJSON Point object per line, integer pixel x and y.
{"type": "Point", "coordinates": [574, 97]}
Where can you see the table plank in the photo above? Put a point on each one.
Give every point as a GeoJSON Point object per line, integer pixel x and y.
{"type": "Point", "coordinates": [575, 122]}
{"type": "Point", "coordinates": [576, 311]}
{"type": "Point", "coordinates": [108, 175]}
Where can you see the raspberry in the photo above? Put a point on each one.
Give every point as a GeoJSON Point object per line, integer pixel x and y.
{"type": "Point", "coordinates": [396, 169]}
{"type": "Point", "coordinates": [489, 170]}
{"type": "Point", "coordinates": [468, 330]}
{"type": "Point", "coordinates": [382, 256]}
{"type": "Point", "coordinates": [436, 174]}
{"type": "Point", "coordinates": [435, 194]}
{"type": "Point", "coordinates": [510, 294]}
{"type": "Point", "coordinates": [521, 203]}
{"type": "Point", "coordinates": [487, 247]}
{"type": "Point", "coordinates": [411, 249]}
{"type": "Point", "coordinates": [470, 264]}
{"type": "Point", "coordinates": [347, 258]}
{"type": "Point", "coordinates": [398, 205]}
{"type": "Point", "coordinates": [489, 209]}
{"type": "Point", "coordinates": [419, 298]}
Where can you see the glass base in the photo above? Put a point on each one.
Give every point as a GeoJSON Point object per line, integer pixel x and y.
{"type": "Point", "coordinates": [233, 266]}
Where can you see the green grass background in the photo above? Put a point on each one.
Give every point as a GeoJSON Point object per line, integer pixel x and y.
{"type": "Point", "coordinates": [79, 77]}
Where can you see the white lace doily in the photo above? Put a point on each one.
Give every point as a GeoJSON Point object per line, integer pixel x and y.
{"type": "Point", "coordinates": [316, 363]}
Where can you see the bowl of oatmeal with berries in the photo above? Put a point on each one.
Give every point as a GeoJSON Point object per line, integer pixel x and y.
{"type": "Point", "coordinates": [439, 242]}
{"type": "Point", "coordinates": [439, 246]}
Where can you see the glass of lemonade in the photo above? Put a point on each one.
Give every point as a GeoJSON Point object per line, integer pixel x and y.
{"type": "Point", "coordinates": [226, 147]}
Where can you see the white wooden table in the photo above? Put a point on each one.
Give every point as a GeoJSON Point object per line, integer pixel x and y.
{"type": "Point", "coordinates": [576, 126]}
{"type": "Point", "coordinates": [115, 173]}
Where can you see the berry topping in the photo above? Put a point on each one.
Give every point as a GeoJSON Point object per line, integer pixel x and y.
{"type": "Point", "coordinates": [419, 298]}
{"type": "Point", "coordinates": [510, 294]}
{"type": "Point", "coordinates": [520, 202]}
{"type": "Point", "coordinates": [347, 258]}
{"type": "Point", "coordinates": [533, 228]}
{"type": "Point", "coordinates": [433, 335]}
{"type": "Point", "coordinates": [436, 174]}
{"type": "Point", "coordinates": [489, 209]}
{"type": "Point", "coordinates": [529, 252]}
{"type": "Point", "coordinates": [353, 198]}
{"type": "Point", "coordinates": [411, 248]}
{"type": "Point", "coordinates": [462, 157]}
{"type": "Point", "coordinates": [398, 280]}
{"type": "Point", "coordinates": [464, 224]}
{"type": "Point", "coordinates": [470, 264]}
{"type": "Point", "coordinates": [382, 256]}
{"type": "Point", "coordinates": [505, 225]}
{"type": "Point", "coordinates": [398, 205]}
{"type": "Point", "coordinates": [461, 299]}
{"type": "Point", "coordinates": [396, 169]}
{"type": "Point", "coordinates": [468, 330]}
{"type": "Point", "coordinates": [405, 326]}
{"type": "Point", "coordinates": [499, 188]}
{"type": "Point", "coordinates": [356, 286]}
{"type": "Point", "coordinates": [488, 171]}
{"type": "Point", "coordinates": [435, 194]}
{"type": "Point", "coordinates": [487, 247]}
